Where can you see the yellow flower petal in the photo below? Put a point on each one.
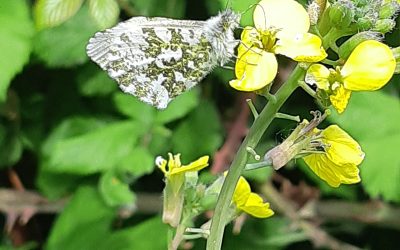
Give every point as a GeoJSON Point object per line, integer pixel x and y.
{"type": "Point", "coordinates": [256, 207]}
{"type": "Point", "coordinates": [250, 37]}
{"type": "Point", "coordinates": [254, 69]}
{"type": "Point", "coordinates": [369, 67]}
{"type": "Point", "coordinates": [340, 98]}
{"type": "Point", "coordinates": [286, 15]}
{"type": "Point", "coordinates": [197, 165]}
{"type": "Point", "coordinates": [332, 173]}
{"type": "Point", "coordinates": [339, 162]}
{"type": "Point", "coordinates": [318, 74]}
{"type": "Point", "coordinates": [301, 47]}
{"type": "Point", "coordinates": [242, 192]}
{"type": "Point", "coordinates": [343, 149]}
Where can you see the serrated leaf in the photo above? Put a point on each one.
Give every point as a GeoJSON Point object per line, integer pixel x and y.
{"type": "Point", "coordinates": [179, 107]}
{"type": "Point", "coordinates": [199, 134]}
{"type": "Point", "coordinates": [50, 13]}
{"type": "Point", "coordinates": [95, 82]}
{"type": "Point", "coordinates": [104, 12]}
{"type": "Point", "coordinates": [15, 41]}
{"type": "Point", "coordinates": [114, 191]}
{"type": "Point", "coordinates": [65, 45]}
{"type": "Point", "coordinates": [150, 234]}
{"type": "Point", "coordinates": [138, 163]}
{"type": "Point", "coordinates": [83, 224]}
{"type": "Point", "coordinates": [373, 118]}
{"type": "Point", "coordinates": [132, 107]}
{"type": "Point", "coordinates": [95, 151]}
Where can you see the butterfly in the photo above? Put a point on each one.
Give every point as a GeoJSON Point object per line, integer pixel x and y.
{"type": "Point", "coordinates": [156, 59]}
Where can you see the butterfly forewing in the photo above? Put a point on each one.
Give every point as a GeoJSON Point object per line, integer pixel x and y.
{"type": "Point", "coordinates": [154, 59]}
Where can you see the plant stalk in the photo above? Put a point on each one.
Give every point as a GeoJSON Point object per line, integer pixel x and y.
{"type": "Point", "coordinates": [254, 135]}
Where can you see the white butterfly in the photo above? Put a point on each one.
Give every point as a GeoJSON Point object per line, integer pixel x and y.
{"type": "Point", "coordinates": [156, 59]}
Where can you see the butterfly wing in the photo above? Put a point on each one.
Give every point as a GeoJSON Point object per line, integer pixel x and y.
{"type": "Point", "coordinates": [154, 59]}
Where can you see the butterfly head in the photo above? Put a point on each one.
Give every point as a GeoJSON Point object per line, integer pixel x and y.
{"type": "Point", "coordinates": [230, 20]}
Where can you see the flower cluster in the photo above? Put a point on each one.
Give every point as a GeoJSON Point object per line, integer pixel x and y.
{"type": "Point", "coordinates": [331, 153]}
{"type": "Point", "coordinates": [369, 67]}
{"type": "Point", "coordinates": [274, 33]}
{"type": "Point", "coordinates": [182, 190]}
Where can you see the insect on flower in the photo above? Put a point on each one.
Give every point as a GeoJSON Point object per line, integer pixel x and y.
{"type": "Point", "coordinates": [156, 59]}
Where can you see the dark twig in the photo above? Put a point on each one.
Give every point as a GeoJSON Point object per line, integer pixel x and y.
{"type": "Point", "coordinates": [318, 236]}
{"type": "Point", "coordinates": [235, 135]}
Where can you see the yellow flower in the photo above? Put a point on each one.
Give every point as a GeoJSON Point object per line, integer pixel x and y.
{"type": "Point", "coordinates": [249, 202]}
{"type": "Point", "coordinates": [369, 67]}
{"type": "Point", "coordinates": [280, 28]}
{"type": "Point", "coordinates": [175, 167]}
{"type": "Point", "coordinates": [174, 172]}
{"type": "Point", "coordinates": [339, 160]}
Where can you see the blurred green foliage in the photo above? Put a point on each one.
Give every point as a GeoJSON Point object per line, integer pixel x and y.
{"type": "Point", "coordinates": [65, 125]}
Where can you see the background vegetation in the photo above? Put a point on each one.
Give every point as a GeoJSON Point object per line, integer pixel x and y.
{"type": "Point", "coordinates": [77, 155]}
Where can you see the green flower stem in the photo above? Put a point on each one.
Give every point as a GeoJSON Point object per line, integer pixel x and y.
{"type": "Point", "coordinates": [256, 131]}
{"type": "Point", "coordinates": [287, 117]}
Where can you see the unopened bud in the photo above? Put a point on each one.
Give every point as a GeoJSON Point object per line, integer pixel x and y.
{"type": "Point", "coordinates": [396, 54]}
{"type": "Point", "coordinates": [365, 23]}
{"type": "Point", "coordinates": [341, 14]}
{"type": "Point", "coordinates": [347, 47]}
{"type": "Point", "coordinates": [384, 25]}
{"type": "Point", "coordinates": [388, 10]}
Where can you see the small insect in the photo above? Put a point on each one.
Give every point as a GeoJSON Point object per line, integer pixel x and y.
{"type": "Point", "coordinates": [156, 59]}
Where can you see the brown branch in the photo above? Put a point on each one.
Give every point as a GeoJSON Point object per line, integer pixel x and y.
{"type": "Point", "coordinates": [236, 132]}
{"type": "Point", "coordinates": [318, 236]}
{"type": "Point", "coordinates": [373, 212]}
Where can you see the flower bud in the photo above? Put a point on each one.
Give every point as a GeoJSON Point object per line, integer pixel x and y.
{"type": "Point", "coordinates": [315, 10]}
{"type": "Point", "coordinates": [365, 23]}
{"type": "Point", "coordinates": [341, 14]}
{"type": "Point", "coordinates": [388, 10]}
{"type": "Point", "coordinates": [396, 54]}
{"type": "Point", "coordinates": [288, 149]}
{"type": "Point", "coordinates": [384, 25]}
{"type": "Point", "coordinates": [347, 47]}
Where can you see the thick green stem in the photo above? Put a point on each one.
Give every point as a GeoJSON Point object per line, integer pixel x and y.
{"type": "Point", "coordinates": [256, 131]}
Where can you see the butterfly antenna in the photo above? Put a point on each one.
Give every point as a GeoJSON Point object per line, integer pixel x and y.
{"type": "Point", "coordinates": [227, 4]}
{"type": "Point", "coordinates": [262, 8]}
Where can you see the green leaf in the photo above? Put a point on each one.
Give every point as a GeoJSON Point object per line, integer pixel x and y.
{"type": "Point", "coordinates": [179, 107]}
{"type": "Point", "coordinates": [138, 163]}
{"type": "Point", "coordinates": [150, 234]}
{"type": "Point", "coordinates": [15, 41]}
{"type": "Point", "coordinates": [167, 8]}
{"type": "Point", "coordinates": [132, 107]}
{"type": "Point", "coordinates": [114, 191]}
{"type": "Point", "coordinates": [70, 128]}
{"type": "Point", "coordinates": [84, 223]}
{"type": "Point", "coordinates": [64, 45]}
{"type": "Point", "coordinates": [55, 186]}
{"type": "Point", "coordinates": [10, 145]}
{"type": "Point", "coordinates": [199, 134]}
{"type": "Point", "coordinates": [373, 119]}
{"type": "Point", "coordinates": [50, 13]}
{"type": "Point", "coordinates": [104, 12]}
{"type": "Point", "coordinates": [95, 82]}
{"type": "Point", "coordinates": [95, 151]}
